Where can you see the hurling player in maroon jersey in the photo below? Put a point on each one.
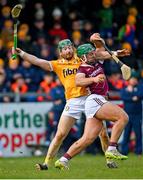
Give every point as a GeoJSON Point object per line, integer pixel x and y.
{"type": "Point", "coordinates": [91, 75]}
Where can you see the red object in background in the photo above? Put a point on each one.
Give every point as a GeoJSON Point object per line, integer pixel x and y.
{"type": "Point", "coordinates": [15, 88]}
{"type": "Point", "coordinates": [58, 31]}
{"type": "Point", "coordinates": [45, 87]}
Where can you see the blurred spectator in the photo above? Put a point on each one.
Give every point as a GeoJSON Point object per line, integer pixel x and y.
{"type": "Point", "coordinates": [9, 45]}
{"type": "Point", "coordinates": [7, 99]}
{"type": "Point", "coordinates": [3, 2]}
{"type": "Point", "coordinates": [4, 88]}
{"type": "Point", "coordinates": [125, 7]}
{"type": "Point", "coordinates": [38, 43]}
{"type": "Point", "coordinates": [50, 128]}
{"type": "Point", "coordinates": [131, 61]}
{"type": "Point", "coordinates": [58, 97]}
{"type": "Point", "coordinates": [46, 86]}
{"type": "Point", "coordinates": [12, 70]}
{"type": "Point", "coordinates": [19, 86]}
{"type": "Point", "coordinates": [116, 83]}
{"type": "Point", "coordinates": [76, 38]}
{"type": "Point", "coordinates": [47, 52]}
{"type": "Point", "coordinates": [132, 96]}
{"type": "Point", "coordinates": [127, 32]}
{"type": "Point", "coordinates": [121, 11]}
{"type": "Point", "coordinates": [39, 14]}
{"type": "Point", "coordinates": [2, 49]}
{"type": "Point", "coordinates": [7, 32]}
{"type": "Point", "coordinates": [3, 85]}
{"type": "Point", "coordinates": [29, 73]}
{"type": "Point", "coordinates": [25, 29]}
{"type": "Point", "coordinates": [76, 26]}
{"type": "Point", "coordinates": [106, 19]}
{"type": "Point", "coordinates": [38, 30]}
{"type": "Point", "coordinates": [72, 16]}
{"type": "Point", "coordinates": [133, 11]}
{"type": "Point", "coordinates": [1, 63]}
{"type": "Point", "coordinates": [58, 31]}
{"type": "Point", "coordinates": [87, 30]}
{"type": "Point", "coordinates": [75, 33]}
{"type": "Point", "coordinates": [5, 15]}
{"type": "Point", "coordinates": [24, 40]}
{"type": "Point", "coordinates": [57, 15]}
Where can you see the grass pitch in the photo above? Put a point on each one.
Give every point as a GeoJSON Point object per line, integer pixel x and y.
{"type": "Point", "coordinates": [81, 167]}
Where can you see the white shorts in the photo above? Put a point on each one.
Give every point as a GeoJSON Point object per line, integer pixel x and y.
{"type": "Point", "coordinates": [75, 107]}
{"type": "Point", "coordinates": [93, 104]}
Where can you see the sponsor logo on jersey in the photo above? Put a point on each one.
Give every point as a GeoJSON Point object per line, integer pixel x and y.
{"type": "Point", "coordinates": [95, 72]}
{"type": "Point", "coordinates": [67, 72]}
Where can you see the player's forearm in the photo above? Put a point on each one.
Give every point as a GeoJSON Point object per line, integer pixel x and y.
{"type": "Point", "coordinates": [31, 58]}
{"type": "Point", "coordinates": [104, 55]}
{"type": "Point", "coordinates": [83, 82]}
{"type": "Point", "coordinates": [44, 64]}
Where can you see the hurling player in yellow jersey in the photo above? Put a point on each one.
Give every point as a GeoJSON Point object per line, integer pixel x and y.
{"type": "Point", "coordinates": [66, 67]}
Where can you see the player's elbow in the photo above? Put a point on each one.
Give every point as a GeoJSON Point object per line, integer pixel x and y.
{"type": "Point", "coordinates": [78, 82]}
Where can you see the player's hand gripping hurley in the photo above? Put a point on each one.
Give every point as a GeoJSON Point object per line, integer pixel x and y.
{"type": "Point", "coordinates": [15, 12]}
{"type": "Point", "coordinates": [126, 70]}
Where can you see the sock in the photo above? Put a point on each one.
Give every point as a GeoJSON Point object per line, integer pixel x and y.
{"type": "Point", "coordinates": [66, 157]}
{"type": "Point", "coordinates": [47, 160]}
{"type": "Point", "coordinates": [112, 146]}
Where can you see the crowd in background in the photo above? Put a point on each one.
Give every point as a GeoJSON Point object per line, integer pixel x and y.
{"type": "Point", "coordinates": [44, 23]}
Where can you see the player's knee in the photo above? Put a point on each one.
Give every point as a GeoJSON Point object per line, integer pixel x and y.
{"type": "Point", "coordinates": [124, 117]}
{"type": "Point", "coordinates": [60, 136]}
{"type": "Point", "coordinates": [88, 140]}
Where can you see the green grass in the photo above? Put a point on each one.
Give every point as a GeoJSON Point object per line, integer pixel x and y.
{"type": "Point", "coordinates": [81, 167]}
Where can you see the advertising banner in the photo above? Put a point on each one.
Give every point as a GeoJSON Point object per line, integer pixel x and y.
{"type": "Point", "coordinates": [21, 124]}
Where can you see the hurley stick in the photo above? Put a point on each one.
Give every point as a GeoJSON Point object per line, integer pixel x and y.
{"type": "Point", "coordinates": [126, 70]}
{"type": "Point", "coordinates": [15, 12]}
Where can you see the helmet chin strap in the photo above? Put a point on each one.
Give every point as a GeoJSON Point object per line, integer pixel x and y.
{"type": "Point", "coordinates": [91, 63]}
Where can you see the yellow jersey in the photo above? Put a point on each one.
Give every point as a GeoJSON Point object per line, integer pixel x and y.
{"type": "Point", "coordinates": [66, 71]}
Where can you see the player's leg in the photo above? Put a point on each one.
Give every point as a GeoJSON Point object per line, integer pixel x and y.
{"type": "Point", "coordinates": [104, 139]}
{"type": "Point", "coordinates": [114, 113]}
{"type": "Point", "coordinates": [109, 111]}
{"type": "Point", "coordinates": [72, 111]}
{"type": "Point", "coordinates": [64, 126]}
{"type": "Point", "coordinates": [91, 131]}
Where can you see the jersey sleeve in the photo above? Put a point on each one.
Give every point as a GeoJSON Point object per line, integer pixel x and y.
{"type": "Point", "coordinates": [81, 70]}
{"type": "Point", "coordinates": [53, 65]}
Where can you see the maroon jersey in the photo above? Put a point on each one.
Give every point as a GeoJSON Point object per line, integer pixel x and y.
{"type": "Point", "coordinates": [92, 71]}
